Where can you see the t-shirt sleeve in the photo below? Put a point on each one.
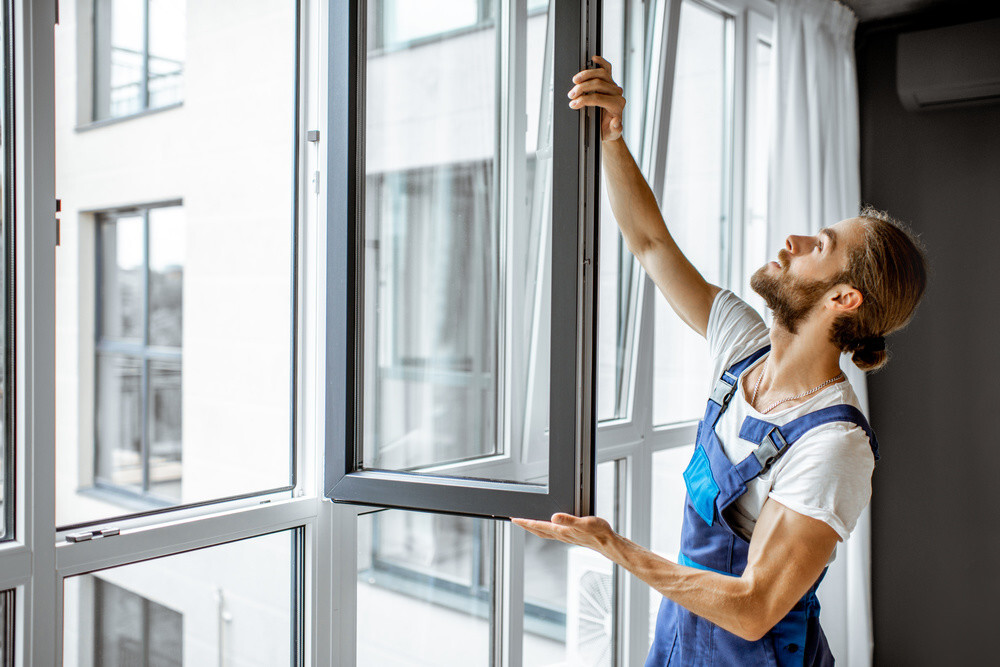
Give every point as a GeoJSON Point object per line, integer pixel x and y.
{"type": "Point", "coordinates": [734, 329]}
{"type": "Point", "coordinates": [827, 476]}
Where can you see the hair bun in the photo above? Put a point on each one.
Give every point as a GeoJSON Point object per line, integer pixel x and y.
{"type": "Point", "coordinates": [873, 344]}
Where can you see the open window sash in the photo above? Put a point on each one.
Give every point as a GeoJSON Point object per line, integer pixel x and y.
{"type": "Point", "coordinates": [533, 402]}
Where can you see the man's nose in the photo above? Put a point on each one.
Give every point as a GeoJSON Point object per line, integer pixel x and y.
{"type": "Point", "coordinates": [794, 243]}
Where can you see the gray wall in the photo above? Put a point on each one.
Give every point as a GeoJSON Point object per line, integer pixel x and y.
{"type": "Point", "coordinates": [936, 406]}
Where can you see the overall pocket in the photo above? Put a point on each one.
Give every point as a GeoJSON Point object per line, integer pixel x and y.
{"type": "Point", "coordinates": [701, 487]}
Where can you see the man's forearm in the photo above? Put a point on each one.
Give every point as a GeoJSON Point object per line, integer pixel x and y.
{"type": "Point", "coordinates": [632, 202]}
{"type": "Point", "coordinates": [729, 602]}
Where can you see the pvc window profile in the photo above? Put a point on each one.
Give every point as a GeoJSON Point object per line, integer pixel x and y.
{"type": "Point", "coordinates": [574, 242]}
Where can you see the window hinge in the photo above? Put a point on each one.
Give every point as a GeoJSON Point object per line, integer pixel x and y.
{"type": "Point", "coordinates": [57, 12]}
{"type": "Point", "coordinates": [58, 209]}
{"type": "Point", "coordinates": [312, 135]}
{"type": "Point", "coordinates": [93, 534]}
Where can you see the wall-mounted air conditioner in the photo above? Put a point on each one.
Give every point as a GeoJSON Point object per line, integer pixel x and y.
{"type": "Point", "coordinates": [949, 67]}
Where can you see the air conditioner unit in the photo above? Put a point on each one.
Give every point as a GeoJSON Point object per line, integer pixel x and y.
{"type": "Point", "coordinates": [949, 67]}
{"type": "Point", "coordinates": [589, 609]}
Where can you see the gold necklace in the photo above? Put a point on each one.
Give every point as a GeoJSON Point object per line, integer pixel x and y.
{"type": "Point", "coordinates": [756, 386]}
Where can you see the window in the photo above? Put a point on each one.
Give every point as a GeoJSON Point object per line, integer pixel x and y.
{"type": "Point", "coordinates": [474, 257]}
{"type": "Point", "coordinates": [139, 441]}
{"type": "Point", "coordinates": [179, 323]}
{"type": "Point", "coordinates": [232, 603]}
{"type": "Point", "coordinates": [132, 630]}
{"type": "Point", "coordinates": [696, 198]}
{"type": "Point", "coordinates": [457, 374]}
{"type": "Point", "coordinates": [139, 50]}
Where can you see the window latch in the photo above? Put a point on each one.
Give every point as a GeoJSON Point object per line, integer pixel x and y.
{"type": "Point", "coordinates": [93, 534]}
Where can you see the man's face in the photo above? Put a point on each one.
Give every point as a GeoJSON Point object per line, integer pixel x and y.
{"type": "Point", "coordinates": [807, 268]}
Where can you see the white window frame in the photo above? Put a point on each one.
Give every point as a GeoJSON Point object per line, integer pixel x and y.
{"type": "Point", "coordinates": [35, 564]}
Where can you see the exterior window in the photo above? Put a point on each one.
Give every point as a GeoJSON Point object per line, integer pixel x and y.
{"type": "Point", "coordinates": [467, 307]}
{"type": "Point", "coordinates": [138, 55]}
{"type": "Point", "coordinates": [131, 630]}
{"type": "Point", "coordinates": [141, 257]}
{"type": "Point", "coordinates": [696, 198]}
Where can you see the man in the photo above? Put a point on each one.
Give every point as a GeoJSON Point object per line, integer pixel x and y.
{"type": "Point", "coordinates": [783, 459]}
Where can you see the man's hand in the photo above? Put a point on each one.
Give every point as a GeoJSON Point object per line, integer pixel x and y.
{"type": "Point", "coordinates": [596, 88]}
{"type": "Point", "coordinates": [591, 531]}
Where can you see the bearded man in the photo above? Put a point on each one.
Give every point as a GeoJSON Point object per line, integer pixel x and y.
{"type": "Point", "coordinates": [783, 460]}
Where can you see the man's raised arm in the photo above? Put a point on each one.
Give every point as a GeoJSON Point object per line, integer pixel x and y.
{"type": "Point", "coordinates": [635, 207]}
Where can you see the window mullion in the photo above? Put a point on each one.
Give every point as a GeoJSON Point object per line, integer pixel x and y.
{"type": "Point", "coordinates": [144, 392]}
{"type": "Point", "coordinates": [507, 636]}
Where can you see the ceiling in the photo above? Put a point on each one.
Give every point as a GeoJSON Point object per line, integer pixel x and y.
{"type": "Point", "coordinates": [869, 10]}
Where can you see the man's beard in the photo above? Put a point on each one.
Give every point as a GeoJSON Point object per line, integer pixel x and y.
{"type": "Point", "coordinates": [791, 299]}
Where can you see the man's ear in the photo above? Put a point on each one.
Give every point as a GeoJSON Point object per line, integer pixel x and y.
{"type": "Point", "coordinates": [846, 298]}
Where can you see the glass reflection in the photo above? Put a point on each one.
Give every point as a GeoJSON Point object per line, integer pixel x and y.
{"type": "Point", "coordinates": [231, 604]}
{"type": "Point", "coordinates": [424, 589]}
{"type": "Point", "coordinates": [569, 593]}
{"type": "Point", "coordinates": [119, 421]}
{"type": "Point", "coordinates": [695, 199]}
{"type": "Point", "coordinates": [452, 333]}
{"type": "Point", "coordinates": [122, 278]}
{"type": "Point", "coordinates": [167, 240]}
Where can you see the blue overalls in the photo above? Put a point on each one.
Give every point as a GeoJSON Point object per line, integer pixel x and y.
{"type": "Point", "coordinates": [707, 542]}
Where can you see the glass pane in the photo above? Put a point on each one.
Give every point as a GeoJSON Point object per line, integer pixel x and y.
{"type": "Point", "coordinates": [7, 627]}
{"type": "Point", "coordinates": [119, 56]}
{"type": "Point", "coordinates": [755, 251]}
{"type": "Point", "coordinates": [196, 274]}
{"type": "Point", "coordinates": [122, 287]}
{"type": "Point", "coordinates": [618, 272]}
{"type": "Point", "coordinates": [667, 508]}
{"type": "Point", "coordinates": [442, 313]}
{"type": "Point", "coordinates": [165, 435]}
{"type": "Point", "coordinates": [166, 51]}
{"type": "Point", "coordinates": [695, 200]}
{"type": "Point", "coordinates": [231, 604]}
{"type": "Point", "coordinates": [119, 421]}
{"type": "Point", "coordinates": [167, 240]}
{"type": "Point", "coordinates": [424, 589]}
{"type": "Point", "coordinates": [569, 610]}
{"type": "Point", "coordinates": [132, 630]}
{"type": "Point", "coordinates": [404, 21]}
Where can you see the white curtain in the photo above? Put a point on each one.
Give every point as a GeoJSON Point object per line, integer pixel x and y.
{"type": "Point", "coordinates": [815, 182]}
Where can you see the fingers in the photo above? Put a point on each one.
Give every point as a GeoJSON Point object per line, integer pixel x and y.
{"type": "Point", "coordinates": [604, 64]}
{"type": "Point", "coordinates": [602, 71]}
{"type": "Point", "coordinates": [614, 104]}
{"type": "Point", "coordinates": [595, 86]}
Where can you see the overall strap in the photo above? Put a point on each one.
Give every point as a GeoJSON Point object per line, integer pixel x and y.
{"type": "Point", "coordinates": [725, 385]}
{"type": "Point", "coordinates": [774, 440]}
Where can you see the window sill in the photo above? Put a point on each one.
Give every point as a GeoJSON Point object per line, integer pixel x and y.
{"type": "Point", "coordinates": [86, 127]}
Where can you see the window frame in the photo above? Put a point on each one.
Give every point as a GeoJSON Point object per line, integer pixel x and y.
{"type": "Point", "coordinates": [572, 427]}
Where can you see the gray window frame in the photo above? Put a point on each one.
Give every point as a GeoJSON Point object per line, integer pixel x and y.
{"type": "Point", "coordinates": [8, 381]}
{"type": "Point", "coordinates": [572, 424]}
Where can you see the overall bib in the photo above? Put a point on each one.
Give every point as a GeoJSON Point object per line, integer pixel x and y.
{"type": "Point", "coordinates": [707, 541]}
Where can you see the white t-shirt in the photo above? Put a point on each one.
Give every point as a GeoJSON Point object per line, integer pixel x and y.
{"type": "Point", "coordinates": [827, 473]}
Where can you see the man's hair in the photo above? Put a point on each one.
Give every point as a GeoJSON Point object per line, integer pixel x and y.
{"type": "Point", "coordinates": [890, 270]}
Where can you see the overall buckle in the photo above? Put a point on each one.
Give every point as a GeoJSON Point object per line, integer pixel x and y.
{"type": "Point", "coordinates": [770, 448]}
